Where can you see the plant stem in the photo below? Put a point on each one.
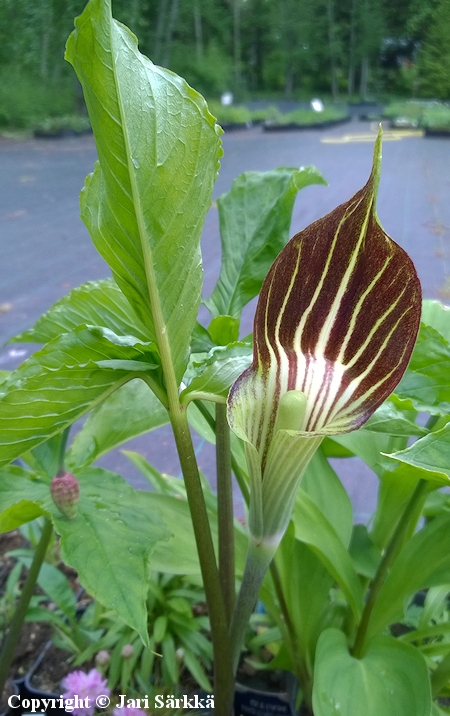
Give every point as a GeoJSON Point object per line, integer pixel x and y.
{"type": "Point", "coordinates": [223, 674]}
{"type": "Point", "coordinates": [225, 509]}
{"type": "Point", "coordinates": [236, 469]}
{"type": "Point", "coordinates": [390, 555]}
{"type": "Point", "coordinates": [19, 615]}
{"type": "Point", "coordinates": [62, 448]}
{"type": "Point", "coordinates": [259, 557]}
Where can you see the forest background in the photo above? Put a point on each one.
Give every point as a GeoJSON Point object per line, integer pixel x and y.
{"type": "Point", "coordinates": [257, 49]}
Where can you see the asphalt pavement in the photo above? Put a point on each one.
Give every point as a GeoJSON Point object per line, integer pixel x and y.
{"type": "Point", "coordinates": [46, 250]}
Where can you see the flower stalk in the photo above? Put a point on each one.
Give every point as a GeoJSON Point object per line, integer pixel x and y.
{"type": "Point", "coordinates": [225, 509]}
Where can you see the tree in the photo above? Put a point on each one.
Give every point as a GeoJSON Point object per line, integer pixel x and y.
{"type": "Point", "coordinates": [434, 57]}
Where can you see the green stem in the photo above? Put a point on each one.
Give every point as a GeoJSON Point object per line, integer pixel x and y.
{"type": "Point", "coordinates": [62, 448]}
{"type": "Point", "coordinates": [236, 469]}
{"type": "Point", "coordinates": [390, 555]}
{"type": "Point", "coordinates": [225, 510]}
{"type": "Point", "coordinates": [223, 675]}
{"type": "Point", "coordinates": [19, 615]}
{"type": "Point", "coordinates": [259, 557]}
{"type": "Point", "coordinates": [440, 676]}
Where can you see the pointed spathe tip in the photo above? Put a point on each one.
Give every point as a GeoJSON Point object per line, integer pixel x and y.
{"type": "Point", "coordinates": [376, 165]}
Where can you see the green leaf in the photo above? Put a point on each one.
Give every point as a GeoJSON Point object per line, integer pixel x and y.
{"type": "Point", "coordinates": [55, 584]}
{"type": "Point", "coordinates": [224, 330]}
{"type": "Point", "coordinates": [437, 315]}
{"type": "Point", "coordinates": [391, 679]}
{"type": "Point", "coordinates": [109, 543]}
{"type": "Point", "coordinates": [368, 446]}
{"type": "Point", "coordinates": [430, 454]}
{"type": "Point", "coordinates": [395, 489]}
{"type": "Point", "coordinates": [423, 562]}
{"type": "Point", "coordinates": [160, 628]}
{"type": "Point", "coordinates": [255, 217]}
{"type": "Point", "coordinates": [217, 372]}
{"type": "Point", "coordinates": [21, 497]}
{"type": "Point", "coordinates": [96, 303]}
{"type": "Point", "coordinates": [323, 486]}
{"type": "Point", "coordinates": [308, 605]}
{"type": "Point", "coordinates": [426, 382]}
{"type": "Point", "coordinates": [169, 660]}
{"type": "Point", "coordinates": [145, 204]}
{"type": "Point", "coordinates": [313, 528]}
{"type": "Point", "coordinates": [64, 380]}
{"type": "Point", "coordinates": [365, 556]}
{"type": "Point", "coordinates": [201, 341]}
{"type": "Point", "coordinates": [178, 554]}
{"type": "Point", "coordinates": [194, 667]}
{"type": "Point", "coordinates": [44, 458]}
{"type": "Point", "coordinates": [140, 411]}
{"type": "Point", "coordinates": [389, 418]}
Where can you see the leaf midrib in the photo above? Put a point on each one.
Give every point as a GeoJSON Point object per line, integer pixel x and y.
{"type": "Point", "coordinates": [158, 319]}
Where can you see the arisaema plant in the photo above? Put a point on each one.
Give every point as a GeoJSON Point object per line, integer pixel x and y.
{"type": "Point", "coordinates": [335, 326]}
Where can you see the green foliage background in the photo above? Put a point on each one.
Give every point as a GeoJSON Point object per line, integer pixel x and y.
{"type": "Point", "coordinates": [256, 48]}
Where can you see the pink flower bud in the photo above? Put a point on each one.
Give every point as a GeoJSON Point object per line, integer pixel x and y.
{"type": "Point", "coordinates": [102, 657]}
{"type": "Point", "coordinates": [127, 651]}
{"type": "Point", "coordinates": [65, 492]}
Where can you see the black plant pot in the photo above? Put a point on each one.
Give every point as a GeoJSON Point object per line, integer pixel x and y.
{"type": "Point", "coordinates": [28, 692]}
{"type": "Point", "coordinates": [252, 699]}
{"type": "Point", "coordinates": [5, 709]}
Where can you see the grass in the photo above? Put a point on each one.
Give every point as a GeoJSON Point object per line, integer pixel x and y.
{"type": "Point", "coordinates": [233, 114]}
{"type": "Point", "coordinates": [437, 117]}
{"type": "Point", "coordinates": [305, 117]}
{"type": "Point", "coordinates": [68, 122]}
{"type": "Point", "coordinates": [419, 113]}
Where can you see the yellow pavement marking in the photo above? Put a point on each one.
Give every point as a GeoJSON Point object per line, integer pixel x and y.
{"type": "Point", "coordinates": [369, 137]}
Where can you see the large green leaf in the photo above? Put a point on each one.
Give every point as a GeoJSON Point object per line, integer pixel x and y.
{"type": "Point", "coordinates": [423, 562]}
{"type": "Point", "coordinates": [395, 490]}
{"type": "Point", "coordinates": [430, 455]}
{"type": "Point", "coordinates": [179, 555]}
{"type": "Point", "coordinates": [306, 587]}
{"type": "Point", "coordinates": [130, 411]}
{"type": "Point", "coordinates": [426, 382]}
{"type": "Point", "coordinates": [109, 543]}
{"type": "Point", "coordinates": [145, 204]}
{"type": "Point", "coordinates": [63, 381]}
{"type": "Point", "coordinates": [313, 528]}
{"type": "Point", "coordinates": [437, 315]}
{"type": "Point", "coordinates": [365, 556]}
{"type": "Point", "coordinates": [368, 446]}
{"type": "Point", "coordinates": [21, 497]}
{"type": "Point", "coordinates": [390, 680]}
{"type": "Point", "coordinates": [323, 486]}
{"type": "Point", "coordinates": [255, 217]}
{"type": "Point", "coordinates": [389, 418]}
{"type": "Point", "coordinates": [97, 303]}
{"type": "Point", "coordinates": [213, 376]}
